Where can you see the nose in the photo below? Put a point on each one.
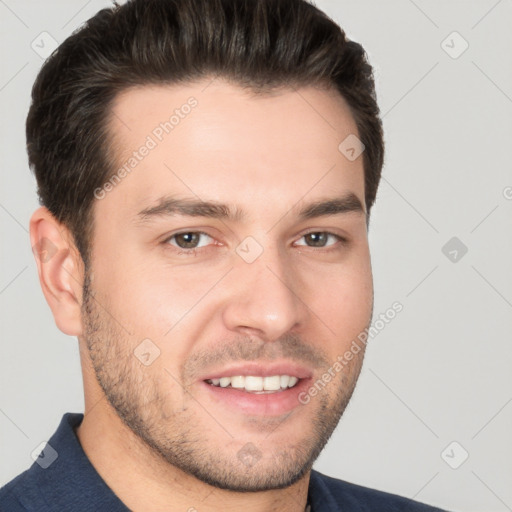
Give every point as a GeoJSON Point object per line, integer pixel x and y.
{"type": "Point", "coordinates": [264, 300]}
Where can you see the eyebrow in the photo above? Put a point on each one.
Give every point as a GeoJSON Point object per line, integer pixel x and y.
{"type": "Point", "coordinates": [346, 204]}
{"type": "Point", "coordinates": [171, 206]}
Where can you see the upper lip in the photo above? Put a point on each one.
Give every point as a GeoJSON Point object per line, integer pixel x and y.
{"type": "Point", "coordinates": [260, 369]}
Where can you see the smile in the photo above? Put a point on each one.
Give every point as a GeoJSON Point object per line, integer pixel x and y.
{"type": "Point", "coordinates": [256, 384]}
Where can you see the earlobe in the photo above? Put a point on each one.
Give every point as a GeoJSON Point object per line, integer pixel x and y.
{"type": "Point", "coordinates": [60, 270]}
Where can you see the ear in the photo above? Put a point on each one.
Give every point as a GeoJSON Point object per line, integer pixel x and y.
{"type": "Point", "coordinates": [60, 269]}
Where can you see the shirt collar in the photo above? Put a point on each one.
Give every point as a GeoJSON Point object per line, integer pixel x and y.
{"type": "Point", "coordinates": [72, 466]}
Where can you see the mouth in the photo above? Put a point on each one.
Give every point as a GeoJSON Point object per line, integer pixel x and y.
{"type": "Point", "coordinates": [258, 389]}
{"type": "Point", "coordinates": [256, 384]}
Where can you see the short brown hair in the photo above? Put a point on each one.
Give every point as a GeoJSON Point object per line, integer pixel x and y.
{"type": "Point", "coordinates": [258, 44]}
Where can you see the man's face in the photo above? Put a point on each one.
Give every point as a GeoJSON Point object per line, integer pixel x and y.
{"type": "Point", "coordinates": [194, 314]}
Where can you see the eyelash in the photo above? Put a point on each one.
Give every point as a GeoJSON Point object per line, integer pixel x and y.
{"type": "Point", "coordinates": [194, 250]}
{"type": "Point", "coordinates": [188, 252]}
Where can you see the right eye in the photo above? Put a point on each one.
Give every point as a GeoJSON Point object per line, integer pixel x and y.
{"type": "Point", "coordinates": [189, 240]}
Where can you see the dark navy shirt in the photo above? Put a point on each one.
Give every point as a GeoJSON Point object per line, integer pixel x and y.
{"type": "Point", "coordinates": [63, 479]}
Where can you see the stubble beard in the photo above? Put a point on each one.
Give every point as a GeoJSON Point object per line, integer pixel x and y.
{"type": "Point", "coordinates": [173, 433]}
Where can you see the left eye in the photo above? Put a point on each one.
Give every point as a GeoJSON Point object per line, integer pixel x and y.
{"type": "Point", "coordinates": [319, 239]}
{"type": "Point", "coordinates": [190, 240]}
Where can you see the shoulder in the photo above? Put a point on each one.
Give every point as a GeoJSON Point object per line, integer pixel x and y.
{"type": "Point", "coordinates": [61, 478]}
{"type": "Point", "coordinates": [29, 490]}
{"type": "Point", "coordinates": [17, 495]}
{"type": "Point", "coordinates": [352, 497]}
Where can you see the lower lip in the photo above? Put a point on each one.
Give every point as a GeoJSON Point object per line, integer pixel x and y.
{"type": "Point", "coordinates": [261, 404]}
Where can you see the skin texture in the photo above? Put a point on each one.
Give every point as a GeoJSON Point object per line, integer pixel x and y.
{"type": "Point", "coordinates": [155, 432]}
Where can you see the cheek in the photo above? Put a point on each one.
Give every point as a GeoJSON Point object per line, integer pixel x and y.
{"type": "Point", "coordinates": [163, 304]}
{"type": "Point", "coordinates": [342, 297]}
{"type": "Point", "coordinates": [347, 308]}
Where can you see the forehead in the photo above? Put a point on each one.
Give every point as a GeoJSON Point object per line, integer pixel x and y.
{"type": "Point", "coordinates": [217, 141]}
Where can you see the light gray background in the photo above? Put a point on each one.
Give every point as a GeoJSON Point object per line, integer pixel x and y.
{"type": "Point", "coordinates": [441, 370]}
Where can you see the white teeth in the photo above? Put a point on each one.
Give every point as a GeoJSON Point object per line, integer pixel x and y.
{"type": "Point", "coordinates": [238, 382]}
{"type": "Point", "coordinates": [292, 382]}
{"type": "Point", "coordinates": [255, 384]}
{"type": "Point", "coordinates": [272, 383]}
{"type": "Point", "coordinates": [224, 381]}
